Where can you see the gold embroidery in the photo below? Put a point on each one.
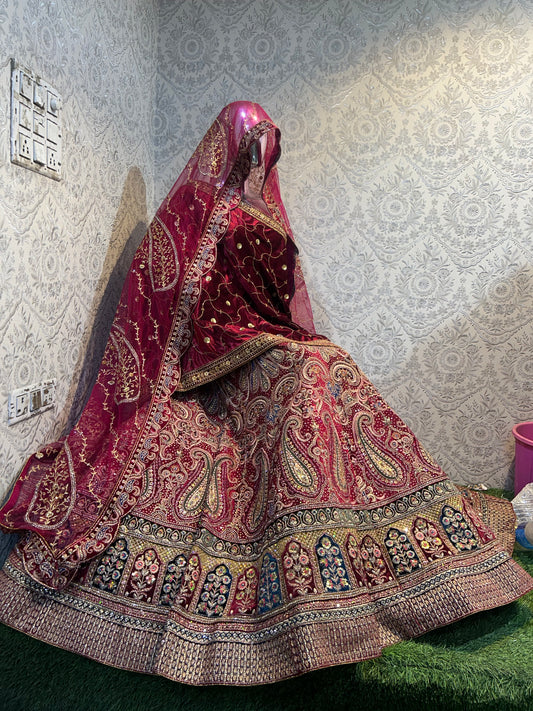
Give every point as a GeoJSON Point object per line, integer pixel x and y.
{"type": "Point", "coordinates": [54, 495]}
{"type": "Point", "coordinates": [262, 217]}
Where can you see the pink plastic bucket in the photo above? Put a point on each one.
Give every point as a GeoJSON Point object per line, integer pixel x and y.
{"type": "Point", "coordinates": [523, 472]}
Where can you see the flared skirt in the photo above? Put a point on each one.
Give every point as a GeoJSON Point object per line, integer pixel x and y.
{"type": "Point", "coordinates": [290, 520]}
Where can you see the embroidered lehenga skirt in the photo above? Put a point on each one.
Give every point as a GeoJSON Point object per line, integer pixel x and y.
{"type": "Point", "coordinates": [289, 521]}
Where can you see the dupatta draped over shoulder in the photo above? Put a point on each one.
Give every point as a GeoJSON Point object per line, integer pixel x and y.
{"type": "Point", "coordinates": [190, 311]}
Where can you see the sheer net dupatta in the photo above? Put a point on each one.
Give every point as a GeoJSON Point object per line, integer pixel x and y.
{"type": "Point", "coordinates": [72, 494]}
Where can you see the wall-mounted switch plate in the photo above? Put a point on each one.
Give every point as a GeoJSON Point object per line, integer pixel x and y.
{"type": "Point", "coordinates": [35, 113]}
{"type": "Point", "coordinates": [39, 153]}
{"type": "Point", "coordinates": [28, 401]}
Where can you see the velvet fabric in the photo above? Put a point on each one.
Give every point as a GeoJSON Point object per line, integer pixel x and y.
{"type": "Point", "coordinates": [201, 298]}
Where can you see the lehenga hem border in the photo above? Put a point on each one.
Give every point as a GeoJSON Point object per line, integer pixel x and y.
{"type": "Point", "coordinates": [297, 643]}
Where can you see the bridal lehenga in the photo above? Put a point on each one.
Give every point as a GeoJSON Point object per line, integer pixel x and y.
{"type": "Point", "coordinates": [237, 504]}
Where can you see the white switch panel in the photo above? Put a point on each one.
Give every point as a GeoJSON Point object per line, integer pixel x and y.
{"type": "Point", "coordinates": [35, 114]}
{"type": "Point", "coordinates": [28, 401]}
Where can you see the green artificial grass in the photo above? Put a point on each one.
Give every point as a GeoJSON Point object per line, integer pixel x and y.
{"type": "Point", "coordinates": [484, 662]}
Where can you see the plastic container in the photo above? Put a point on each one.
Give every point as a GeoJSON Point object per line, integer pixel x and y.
{"type": "Point", "coordinates": [523, 434]}
{"type": "Point", "coordinates": [524, 538]}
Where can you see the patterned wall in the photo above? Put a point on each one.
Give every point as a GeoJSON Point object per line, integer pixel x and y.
{"type": "Point", "coordinates": [408, 145]}
{"type": "Point", "coordinates": [64, 246]}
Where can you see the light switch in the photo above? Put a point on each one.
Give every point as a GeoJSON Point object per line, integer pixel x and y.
{"type": "Point", "coordinates": [39, 153]}
{"type": "Point", "coordinates": [53, 104]}
{"type": "Point", "coordinates": [38, 95]}
{"type": "Point", "coordinates": [38, 125]}
{"type": "Point", "coordinates": [25, 116]}
{"type": "Point", "coordinates": [26, 86]}
{"type": "Point", "coordinates": [35, 123]}
{"type": "Point", "coordinates": [52, 132]}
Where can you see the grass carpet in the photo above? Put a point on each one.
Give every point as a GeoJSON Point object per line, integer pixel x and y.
{"type": "Point", "coordinates": [484, 662]}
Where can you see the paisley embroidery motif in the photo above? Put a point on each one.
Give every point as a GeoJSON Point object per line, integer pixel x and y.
{"type": "Point", "coordinates": [401, 552]}
{"type": "Point", "coordinates": [381, 463]}
{"type": "Point", "coordinates": [212, 152]}
{"type": "Point", "coordinates": [126, 366]}
{"type": "Point", "coordinates": [458, 529]}
{"type": "Point", "coordinates": [261, 491]}
{"type": "Point", "coordinates": [429, 540]}
{"type": "Point", "coordinates": [203, 494]}
{"type": "Point", "coordinates": [297, 570]}
{"type": "Point", "coordinates": [143, 577]}
{"type": "Point", "coordinates": [162, 257]}
{"type": "Point", "coordinates": [111, 566]}
{"type": "Point", "coordinates": [376, 568]}
{"type": "Point", "coordinates": [269, 589]}
{"type": "Point", "coordinates": [336, 455]}
{"type": "Point", "coordinates": [298, 468]}
{"type": "Point", "coordinates": [245, 600]}
{"type": "Point", "coordinates": [215, 592]}
{"type": "Point", "coordinates": [331, 564]}
{"type": "Point", "coordinates": [55, 494]}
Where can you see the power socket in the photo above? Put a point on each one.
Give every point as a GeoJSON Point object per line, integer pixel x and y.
{"type": "Point", "coordinates": [24, 146]}
{"type": "Point", "coordinates": [53, 159]}
{"type": "Point", "coordinates": [28, 401]}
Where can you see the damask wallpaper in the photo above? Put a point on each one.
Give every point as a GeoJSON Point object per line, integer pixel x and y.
{"type": "Point", "coordinates": [64, 246]}
{"type": "Point", "coordinates": [407, 163]}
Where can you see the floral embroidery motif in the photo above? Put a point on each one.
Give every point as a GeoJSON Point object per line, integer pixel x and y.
{"type": "Point", "coordinates": [297, 570]}
{"type": "Point", "coordinates": [376, 568]}
{"type": "Point", "coordinates": [331, 563]}
{"type": "Point", "coordinates": [245, 600]}
{"type": "Point", "coordinates": [457, 529]}
{"type": "Point", "coordinates": [172, 582]}
{"type": "Point", "coordinates": [428, 539]}
{"type": "Point", "coordinates": [401, 552]}
{"type": "Point", "coordinates": [215, 591]}
{"type": "Point", "coordinates": [356, 560]}
{"type": "Point", "coordinates": [269, 589]}
{"type": "Point", "coordinates": [111, 566]}
{"type": "Point", "coordinates": [143, 577]}
{"type": "Point", "coordinates": [182, 592]}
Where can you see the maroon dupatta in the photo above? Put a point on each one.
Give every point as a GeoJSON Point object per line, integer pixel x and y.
{"type": "Point", "coordinates": [71, 495]}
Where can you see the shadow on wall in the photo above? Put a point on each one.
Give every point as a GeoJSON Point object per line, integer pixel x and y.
{"type": "Point", "coordinates": [128, 229]}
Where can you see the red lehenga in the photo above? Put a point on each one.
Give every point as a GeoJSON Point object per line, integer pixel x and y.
{"type": "Point", "coordinates": [237, 504]}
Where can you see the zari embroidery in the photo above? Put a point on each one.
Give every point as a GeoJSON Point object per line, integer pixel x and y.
{"type": "Point", "coordinates": [332, 567]}
{"type": "Point", "coordinates": [297, 570]}
{"type": "Point", "coordinates": [401, 552]}
{"type": "Point", "coordinates": [215, 592]}
{"type": "Point", "coordinates": [111, 565]}
{"type": "Point", "coordinates": [55, 494]}
{"type": "Point", "coordinates": [458, 529]}
{"type": "Point", "coordinates": [269, 587]}
{"type": "Point", "coordinates": [144, 576]}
